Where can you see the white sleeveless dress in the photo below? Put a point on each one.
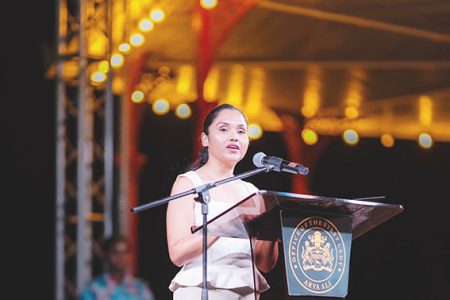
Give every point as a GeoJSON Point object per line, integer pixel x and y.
{"type": "Point", "coordinates": [229, 259]}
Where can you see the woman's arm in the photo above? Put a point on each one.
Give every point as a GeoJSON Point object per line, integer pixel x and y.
{"type": "Point", "coordinates": [266, 255]}
{"type": "Point", "coordinates": [266, 252]}
{"type": "Point", "coordinates": [183, 246]}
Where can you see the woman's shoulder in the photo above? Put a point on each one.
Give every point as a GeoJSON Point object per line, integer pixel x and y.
{"type": "Point", "coordinates": [191, 176]}
{"type": "Point", "coordinates": [250, 186]}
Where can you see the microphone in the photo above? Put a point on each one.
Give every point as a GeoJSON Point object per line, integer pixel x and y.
{"type": "Point", "coordinates": [279, 164]}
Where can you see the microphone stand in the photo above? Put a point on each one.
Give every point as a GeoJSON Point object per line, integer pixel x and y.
{"type": "Point", "coordinates": [203, 197]}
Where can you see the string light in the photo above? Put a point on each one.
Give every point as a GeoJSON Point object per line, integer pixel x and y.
{"type": "Point", "coordinates": [425, 140]}
{"type": "Point", "coordinates": [124, 48]}
{"type": "Point", "coordinates": [157, 15]}
{"type": "Point", "coordinates": [254, 131]}
{"type": "Point", "coordinates": [161, 106]}
{"type": "Point", "coordinates": [208, 4]}
{"type": "Point", "coordinates": [351, 137]}
{"type": "Point", "coordinates": [183, 111]}
{"type": "Point", "coordinates": [387, 140]}
{"type": "Point", "coordinates": [309, 136]}
{"type": "Point", "coordinates": [137, 39]}
{"type": "Point", "coordinates": [137, 96]}
{"type": "Point", "coordinates": [117, 60]}
{"type": "Point", "coordinates": [98, 77]}
{"type": "Point", "coordinates": [146, 25]}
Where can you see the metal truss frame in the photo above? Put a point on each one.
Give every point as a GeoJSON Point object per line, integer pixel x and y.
{"type": "Point", "coordinates": [84, 147]}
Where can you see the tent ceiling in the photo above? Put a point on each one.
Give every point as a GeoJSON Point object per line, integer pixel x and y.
{"type": "Point", "coordinates": [395, 50]}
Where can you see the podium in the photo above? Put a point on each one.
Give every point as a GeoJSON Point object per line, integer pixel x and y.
{"type": "Point", "coordinates": [316, 233]}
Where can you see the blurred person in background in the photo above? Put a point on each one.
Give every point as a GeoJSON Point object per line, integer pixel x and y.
{"type": "Point", "coordinates": [116, 283]}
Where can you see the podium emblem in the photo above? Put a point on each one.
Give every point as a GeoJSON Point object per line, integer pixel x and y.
{"type": "Point", "coordinates": [317, 255]}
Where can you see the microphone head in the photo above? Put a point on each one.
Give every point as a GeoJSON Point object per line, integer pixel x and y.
{"type": "Point", "coordinates": [257, 159]}
{"type": "Point", "coordinates": [305, 171]}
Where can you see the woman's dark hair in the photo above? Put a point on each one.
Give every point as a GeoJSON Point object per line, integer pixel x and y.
{"type": "Point", "coordinates": [212, 115]}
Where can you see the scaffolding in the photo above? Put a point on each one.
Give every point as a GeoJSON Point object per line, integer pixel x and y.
{"type": "Point", "coordinates": [84, 143]}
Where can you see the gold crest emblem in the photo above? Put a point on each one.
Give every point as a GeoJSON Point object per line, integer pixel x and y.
{"type": "Point", "coordinates": [317, 255]}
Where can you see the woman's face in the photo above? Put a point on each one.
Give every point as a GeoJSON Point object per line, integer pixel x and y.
{"type": "Point", "coordinates": [227, 140]}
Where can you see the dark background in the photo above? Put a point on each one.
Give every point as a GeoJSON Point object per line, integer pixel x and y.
{"type": "Point", "coordinates": [27, 114]}
{"type": "Point", "coordinates": [405, 258]}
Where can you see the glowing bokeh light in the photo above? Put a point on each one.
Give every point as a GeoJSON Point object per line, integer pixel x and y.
{"type": "Point", "coordinates": [236, 81]}
{"type": "Point", "coordinates": [185, 79]}
{"type": "Point", "coordinates": [350, 136]}
{"type": "Point", "coordinates": [351, 112]}
{"type": "Point", "coordinates": [124, 48]}
{"type": "Point", "coordinates": [309, 136]}
{"type": "Point", "coordinates": [103, 66]}
{"type": "Point", "coordinates": [208, 4]}
{"type": "Point", "coordinates": [425, 110]}
{"type": "Point", "coordinates": [117, 60]}
{"type": "Point", "coordinates": [157, 15]}
{"type": "Point", "coordinates": [211, 85]}
{"type": "Point", "coordinates": [161, 107]}
{"type": "Point", "coordinates": [254, 131]}
{"type": "Point", "coordinates": [425, 140]}
{"type": "Point", "coordinates": [387, 140]}
{"type": "Point", "coordinates": [137, 96]}
{"type": "Point", "coordinates": [137, 39]}
{"type": "Point", "coordinates": [183, 111]}
{"type": "Point", "coordinates": [146, 25]}
{"type": "Point", "coordinates": [98, 77]}
{"type": "Point", "coordinates": [311, 96]}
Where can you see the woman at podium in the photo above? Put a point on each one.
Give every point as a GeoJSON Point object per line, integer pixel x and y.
{"type": "Point", "coordinates": [232, 273]}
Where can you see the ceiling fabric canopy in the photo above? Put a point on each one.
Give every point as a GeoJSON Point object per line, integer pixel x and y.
{"type": "Point", "coordinates": [375, 66]}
